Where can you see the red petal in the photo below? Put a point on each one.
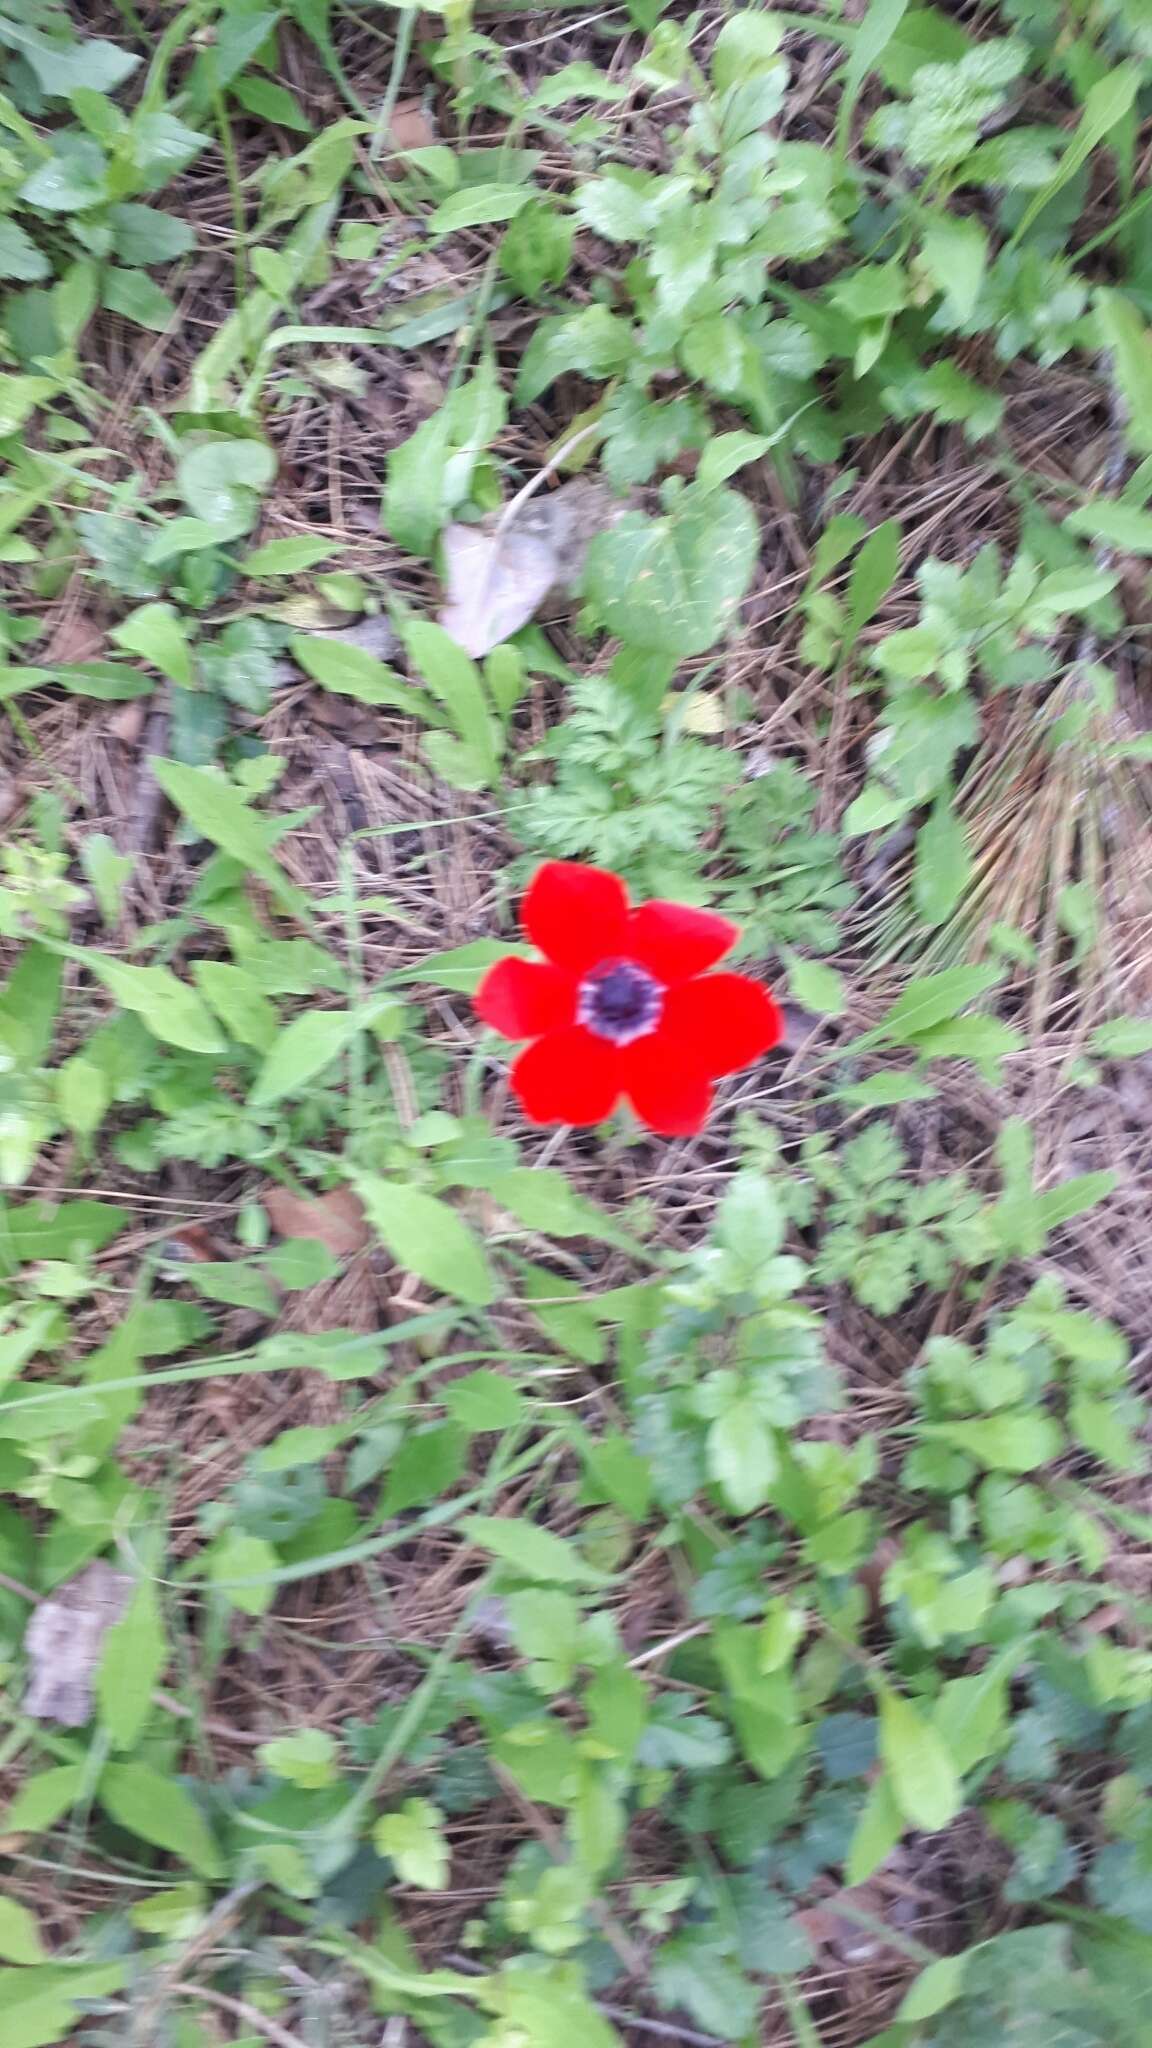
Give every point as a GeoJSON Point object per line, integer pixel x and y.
{"type": "Point", "coordinates": [570, 1077]}
{"type": "Point", "coordinates": [576, 915]}
{"type": "Point", "coordinates": [524, 998]}
{"type": "Point", "coordinates": [721, 1021]}
{"type": "Point", "coordinates": [668, 1092]}
{"type": "Point", "coordinates": [673, 941]}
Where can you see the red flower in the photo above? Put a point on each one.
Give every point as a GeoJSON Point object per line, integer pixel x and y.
{"type": "Point", "coordinates": [621, 1004]}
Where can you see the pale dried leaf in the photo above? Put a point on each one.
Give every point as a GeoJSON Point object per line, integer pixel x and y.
{"type": "Point", "coordinates": [336, 1219]}
{"type": "Point", "coordinates": [494, 585]}
{"type": "Point", "coordinates": [77, 638]}
{"type": "Point", "coordinates": [410, 127]}
{"type": "Point", "coordinates": [63, 1642]}
{"type": "Point", "coordinates": [499, 577]}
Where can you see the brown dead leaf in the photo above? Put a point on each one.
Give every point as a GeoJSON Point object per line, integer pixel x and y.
{"type": "Point", "coordinates": [499, 575]}
{"type": "Point", "coordinates": [410, 127]}
{"type": "Point", "coordinates": [64, 1639]}
{"type": "Point", "coordinates": [336, 1219]}
{"type": "Point", "coordinates": [126, 722]}
{"type": "Point", "coordinates": [77, 638]}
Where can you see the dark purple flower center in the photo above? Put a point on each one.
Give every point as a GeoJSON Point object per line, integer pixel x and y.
{"type": "Point", "coordinates": [620, 1001]}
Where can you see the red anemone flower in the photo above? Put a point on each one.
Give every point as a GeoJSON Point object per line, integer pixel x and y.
{"type": "Point", "coordinates": [621, 1004]}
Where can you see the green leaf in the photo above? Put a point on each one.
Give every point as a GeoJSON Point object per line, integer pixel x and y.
{"type": "Point", "coordinates": [929, 1000]}
{"type": "Point", "coordinates": [142, 235]}
{"type": "Point", "coordinates": [543, 1198]}
{"type": "Point", "coordinates": [109, 682]}
{"type": "Point", "coordinates": [271, 102]}
{"type": "Point", "coordinates": [477, 205]}
{"type": "Point", "coordinates": [289, 557]}
{"type": "Point", "coordinates": [219, 811]}
{"type": "Point", "coordinates": [302, 1051]}
{"type": "Point", "coordinates": [20, 1939]}
{"type": "Point", "coordinates": [873, 34]}
{"type": "Point", "coordinates": [157, 633]}
{"type": "Point", "coordinates": [938, 1986]}
{"type": "Point", "coordinates": [158, 1810]}
{"type": "Point", "coordinates": [428, 1238]}
{"type": "Point", "coordinates": [136, 296]}
{"type": "Point", "coordinates": [1106, 107]}
{"type": "Point", "coordinates": [454, 678]}
{"type": "Point", "coordinates": [532, 1552]}
{"type": "Point", "coordinates": [1121, 526]}
{"type": "Point", "coordinates": [815, 985]}
{"type": "Point", "coordinates": [883, 1091]}
{"type": "Point", "coordinates": [1009, 1442]}
{"type": "Point", "coordinates": [306, 1758]}
{"type": "Point", "coordinates": [239, 1002]}
{"type": "Point", "coordinates": [413, 1839]}
{"type": "Point", "coordinates": [352, 672]}
{"type": "Point", "coordinates": [43, 1799]}
{"type": "Point", "coordinates": [46, 2003]}
{"type": "Point", "coordinates": [29, 1006]}
{"type": "Point", "coordinates": [172, 1011]}
{"type": "Point", "coordinates": [923, 1777]}
{"type": "Point", "coordinates": [19, 256]}
{"type": "Point", "coordinates": [461, 968]}
{"type": "Point", "coordinates": [484, 1400]}
{"type": "Point", "coordinates": [220, 480]}
{"type": "Point", "coordinates": [132, 1660]}
{"type": "Point", "coordinates": [1130, 341]}
{"type": "Point", "coordinates": [673, 584]}
{"type": "Point", "coordinates": [742, 1457]}
{"type": "Point", "coordinates": [954, 252]}
{"type": "Point", "coordinates": [63, 67]}
{"type": "Point", "coordinates": [943, 862]}
{"type": "Point", "coordinates": [1122, 1038]}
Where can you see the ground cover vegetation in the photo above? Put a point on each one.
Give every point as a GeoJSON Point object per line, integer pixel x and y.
{"type": "Point", "coordinates": [493, 1584]}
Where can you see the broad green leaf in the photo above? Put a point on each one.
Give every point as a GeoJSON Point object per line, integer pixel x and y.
{"type": "Point", "coordinates": [954, 252]}
{"type": "Point", "coordinates": [352, 672]}
{"type": "Point", "coordinates": [107, 870]}
{"type": "Point", "coordinates": [484, 1400]}
{"type": "Point", "coordinates": [815, 985]}
{"type": "Point", "coordinates": [873, 573]}
{"type": "Point", "coordinates": [157, 633]}
{"type": "Point", "coordinates": [1120, 526]}
{"type": "Point", "coordinates": [923, 1777]}
{"type": "Point", "coordinates": [172, 1011]}
{"type": "Point", "coordinates": [1122, 1038]}
{"type": "Point", "coordinates": [938, 1986]}
{"type": "Point", "coordinates": [883, 1091]}
{"type": "Point", "coordinates": [478, 205]}
{"type": "Point", "coordinates": [742, 1457]}
{"type": "Point", "coordinates": [136, 296]}
{"type": "Point", "coordinates": [1130, 341]}
{"type": "Point", "coordinates": [160, 1811]}
{"type": "Point", "coordinates": [289, 557]}
{"type": "Point", "coordinates": [1009, 1442]}
{"type": "Point", "coordinates": [29, 1004]}
{"type": "Point", "coordinates": [428, 1238]}
{"type": "Point", "coordinates": [220, 479]}
{"type": "Point", "coordinates": [462, 968]}
{"type": "Point", "coordinates": [931, 1000]}
{"type": "Point", "coordinates": [454, 678]}
{"type": "Point", "coordinates": [217, 810]}
{"type": "Point", "coordinates": [62, 66]}
{"type": "Point", "coordinates": [426, 1467]}
{"type": "Point", "coordinates": [544, 1199]}
{"type": "Point", "coordinates": [413, 1840]}
{"type": "Point", "coordinates": [20, 1938]}
{"type": "Point", "coordinates": [302, 1051]}
{"type": "Point", "coordinates": [43, 1799]}
{"type": "Point", "coordinates": [531, 1551]}
{"type": "Point", "coordinates": [673, 584]}
{"type": "Point", "coordinates": [308, 1758]}
{"type": "Point", "coordinates": [132, 1660]}
{"type": "Point", "coordinates": [47, 2003]}
{"type": "Point", "coordinates": [239, 1002]}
